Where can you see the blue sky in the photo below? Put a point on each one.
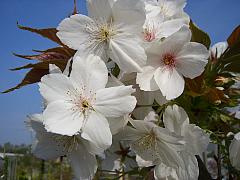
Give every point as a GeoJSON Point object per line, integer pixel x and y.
{"type": "Point", "coordinates": [217, 17]}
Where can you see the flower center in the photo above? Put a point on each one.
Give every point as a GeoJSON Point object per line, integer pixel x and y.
{"type": "Point", "coordinates": [82, 100]}
{"type": "Point", "coordinates": [148, 141]}
{"type": "Point", "coordinates": [149, 36]}
{"type": "Point", "coordinates": [85, 104]}
{"type": "Point", "coordinates": [105, 33]}
{"type": "Point", "coordinates": [169, 60]}
{"type": "Point", "coordinates": [68, 143]}
{"type": "Point", "coordinates": [149, 31]}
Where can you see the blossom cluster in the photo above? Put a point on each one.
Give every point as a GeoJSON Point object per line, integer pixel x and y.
{"type": "Point", "coordinates": [91, 113]}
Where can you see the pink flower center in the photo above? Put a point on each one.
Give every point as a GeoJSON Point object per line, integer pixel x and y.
{"type": "Point", "coordinates": [168, 60]}
{"type": "Point", "coordinates": [149, 36]}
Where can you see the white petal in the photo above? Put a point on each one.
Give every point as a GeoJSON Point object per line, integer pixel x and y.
{"type": "Point", "coordinates": [152, 10]}
{"type": "Point", "coordinates": [159, 151]}
{"type": "Point", "coordinates": [174, 7]}
{"type": "Point", "coordinates": [99, 9]}
{"type": "Point", "coordinates": [47, 149]}
{"type": "Point", "coordinates": [45, 146]}
{"type": "Point", "coordinates": [90, 73]}
{"type": "Point", "coordinates": [234, 151]}
{"type": "Point", "coordinates": [175, 42]}
{"type": "Point", "coordinates": [146, 79]}
{"type": "Point", "coordinates": [83, 163]}
{"type": "Point", "coordinates": [218, 49]}
{"type": "Point", "coordinates": [143, 127]}
{"type": "Point", "coordinates": [168, 9]}
{"type": "Point", "coordinates": [127, 52]}
{"type": "Point", "coordinates": [191, 170]}
{"type": "Point", "coordinates": [170, 82]}
{"type": "Point", "coordinates": [92, 148]}
{"type": "Point", "coordinates": [155, 51]}
{"type": "Point", "coordinates": [196, 139]}
{"type": "Point", "coordinates": [184, 16]}
{"type": "Point", "coordinates": [142, 163]}
{"type": "Point", "coordinates": [171, 140]}
{"type": "Point", "coordinates": [117, 124]}
{"type": "Point", "coordinates": [163, 172]}
{"type": "Point", "coordinates": [54, 69]}
{"type": "Point", "coordinates": [35, 123]}
{"type": "Point", "coordinates": [130, 134]}
{"type": "Point", "coordinates": [55, 87]}
{"type": "Point", "coordinates": [67, 68]}
{"type": "Point", "coordinates": [173, 119]}
{"type": "Point", "coordinates": [97, 131]}
{"type": "Point", "coordinates": [147, 154]}
{"type": "Point", "coordinates": [151, 117]}
{"type": "Point", "coordinates": [72, 31]}
{"type": "Point", "coordinates": [168, 155]}
{"type": "Point", "coordinates": [164, 147]}
{"type": "Point", "coordinates": [192, 59]}
{"type": "Point", "coordinates": [167, 28]}
{"type": "Point", "coordinates": [59, 117]}
{"type": "Point", "coordinates": [115, 101]}
{"type": "Point", "coordinates": [188, 172]}
{"type": "Point", "coordinates": [130, 13]}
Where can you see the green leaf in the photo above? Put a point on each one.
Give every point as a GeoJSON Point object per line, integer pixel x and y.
{"type": "Point", "coordinates": [116, 71]}
{"type": "Point", "coordinates": [199, 36]}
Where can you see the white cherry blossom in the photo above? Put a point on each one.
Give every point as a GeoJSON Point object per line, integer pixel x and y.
{"type": "Point", "coordinates": [168, 9]}
{"type": "Point", "coordinates": [171, 60]}
{"type": "Point", "coordinates": [163, 18]}
{"type": "Point", "coordinates": [80, 104]}
{"type": "Point", "coordinates": [176, 120]}
{"type": "Point", "coordinates": [111, 31]}
{"type": "Point", "coordinates": [156, 29]}
{"type": "Point", "coordinates": [49, 146]}
{"type": "Point", "coordinates": [196, 141]}
{"type": "Point", "coordinates": [154, 144]}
